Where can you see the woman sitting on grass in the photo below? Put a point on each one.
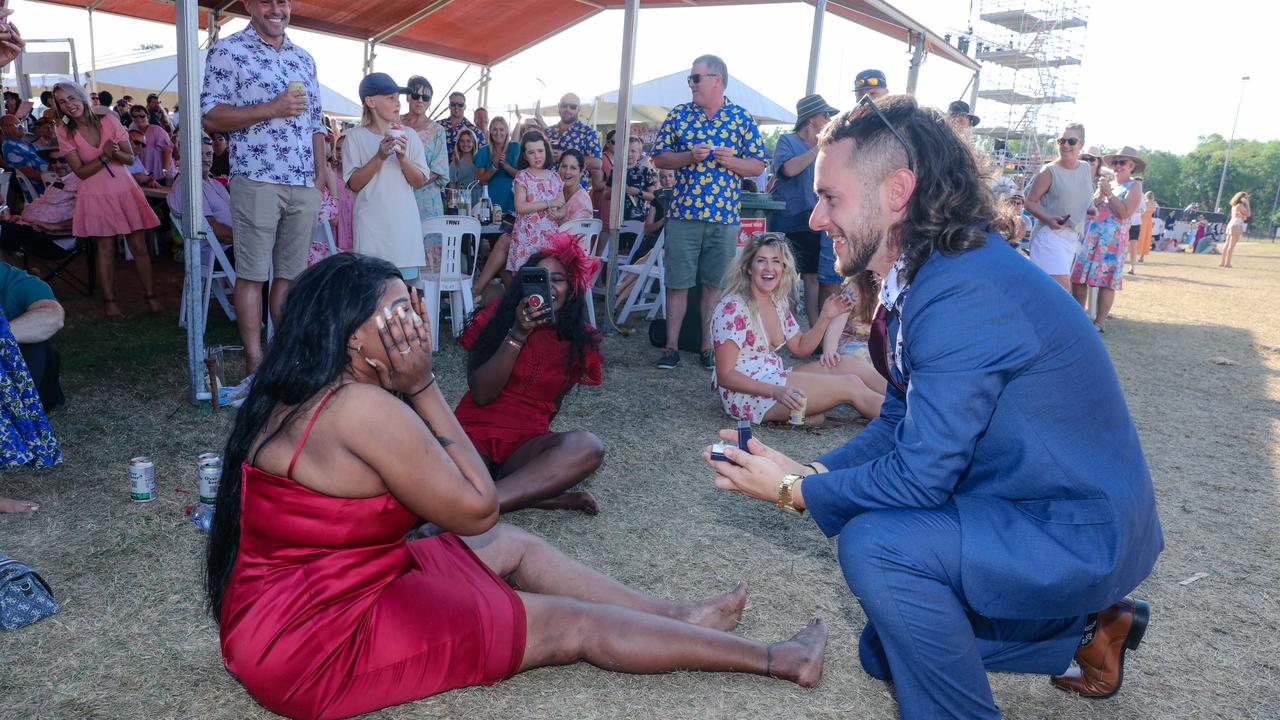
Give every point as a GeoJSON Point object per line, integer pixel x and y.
{"type": "Point", "coordinates": [519, 369]}
{"type": "Point", "coordinates": [326, 611]}
{"type": "Point", "coordinates": [753, 321]}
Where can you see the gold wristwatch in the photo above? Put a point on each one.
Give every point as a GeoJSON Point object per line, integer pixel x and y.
{"type": "Point", "coordinates": [785, 501]}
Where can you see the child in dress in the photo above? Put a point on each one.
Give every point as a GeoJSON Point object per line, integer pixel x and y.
{"type": "Point", "coordinates": [539, 200]}
{"type": "Point", "coordinates": [383, 164]}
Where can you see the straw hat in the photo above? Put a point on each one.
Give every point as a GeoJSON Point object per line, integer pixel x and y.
{"type": "Point", "coordinates": [1127, 152]}
{"type": "Point", "coordinates": [1093, 151]}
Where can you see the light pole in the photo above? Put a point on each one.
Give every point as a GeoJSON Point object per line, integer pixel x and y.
{"type": "Point", "coordinates": [1217, 204]}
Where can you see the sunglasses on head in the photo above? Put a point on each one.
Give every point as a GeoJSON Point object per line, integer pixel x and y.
{"type": "Point", "coordinates": [457, 104]}
{"type": "Point", "coordinates": [421, 97]}
{"type": "Point", "coordinates": [569, 106]}
{"type": "Point", "coordinates": [1069, 141]}
{"type": "Point", "coordinates": [867, 82]}
{"type": "Point", "coordinates": [866, 99]}
{"type": "Point", "coordinates": [696, 78]}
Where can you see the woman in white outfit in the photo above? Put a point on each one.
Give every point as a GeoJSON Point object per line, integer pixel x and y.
{"type": "Point", "coordinates": [1059, 197]}
{"type": "Point", "coordinates": [1240, 212]}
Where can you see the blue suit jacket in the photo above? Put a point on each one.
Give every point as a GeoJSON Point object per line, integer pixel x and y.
{"type": "Point", "coordinates": [1014, 413]}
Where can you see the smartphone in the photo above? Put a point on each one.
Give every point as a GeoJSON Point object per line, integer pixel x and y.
{"type": "Point", "coordinates": [537, 281]}
{"type": "Point", "coordinates": [1063, 220]}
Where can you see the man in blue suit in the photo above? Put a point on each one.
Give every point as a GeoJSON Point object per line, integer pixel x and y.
{"type": "Point", "coordinates": [999, 511]}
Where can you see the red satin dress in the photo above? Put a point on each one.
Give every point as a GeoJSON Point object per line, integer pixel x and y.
{"type": "Point", "coordinates": [330, 613]}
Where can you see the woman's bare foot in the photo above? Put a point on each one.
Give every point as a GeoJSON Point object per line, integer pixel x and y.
{"type": "Point", "coordinates": [9, 505]}
{"type": "Point", "coordinates": [800, 658]}
{"type": "Point", "coordinates": [154, 304]}
{"type": "Point", "coordinates": [113, 310]}
{"type": "Point", "coordinates": [721, 612]}
{"type": "Point", "coordinates": [580, 501]}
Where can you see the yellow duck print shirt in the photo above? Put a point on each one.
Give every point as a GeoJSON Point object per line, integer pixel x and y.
{"type": "Point", "coordinates": [707, 191]}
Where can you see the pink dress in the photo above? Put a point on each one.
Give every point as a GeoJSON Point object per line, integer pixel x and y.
{"type": "Point", "coordinates": [530, 230]}
{"type": "Point", "coordinates": [731, 322]}
{"type": "Point", "coordinates": [345, 239]}
{"type": "Point", "coordinates": [107, 203]}
{"type": "Point", "coordinates": [578, 207]}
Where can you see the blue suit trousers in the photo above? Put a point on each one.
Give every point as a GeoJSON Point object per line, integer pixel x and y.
{"type": "Point", "coordinates": [903, 565]}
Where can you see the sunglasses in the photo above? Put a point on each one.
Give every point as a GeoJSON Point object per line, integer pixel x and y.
{"type": "Point", "coordinates": [141, 115]}
{"type": "Point", "coordinates": [1088, 158]}
{"type": "Point", "coordinates": [866, 99]}
{"type": "Point", "coordinates": [457, 104]}
{"type": "Point", "coordinates": [1069, 141]}
{"type": "Point", "coordinates": [420, 97]}
{"type": "Point", "coordinates": [696, 78]}
{"type": "Point", "coordinates": [866, 82]}
{"type": "Point", "coordinates": [569, 106]}
{"type": "Point", "coordinates": [138, 143]}
{"type": "Point", "coordinates": [1119, 161]}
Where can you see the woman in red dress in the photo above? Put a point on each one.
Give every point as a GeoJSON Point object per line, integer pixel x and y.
{"type": "Point", "coordinates": [520, 368]}
{"type": "Point", "coordinates": [325, 611]}
{"type": "Point", "coordinates": [109, 201]}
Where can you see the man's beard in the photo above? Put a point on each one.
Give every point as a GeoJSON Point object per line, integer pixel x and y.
{"type": "Point", "coordinates": [863, 244]}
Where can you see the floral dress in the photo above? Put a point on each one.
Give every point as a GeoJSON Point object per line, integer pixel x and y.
{"type": "Point", "coordinates": [532, 229]}
{"type": "Point", "coordinates": [430, 204]}
{"type": "Point", "coordinates": [319, 243]}
{"type": "Point", "coordinates": [732, 322]}
{"type": "Point", "coordinates": [25, 435]}
{"type": "Point", "coordinates": [1100, 262]}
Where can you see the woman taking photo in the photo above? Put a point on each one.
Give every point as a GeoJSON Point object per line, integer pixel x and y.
{"type": "Point", "coordinates": [435, 152]}
{"type": "Point", "coordinates": [1240, 214]}
{"type": "Point", "coordinates": [1100, 262]}
{"type": "Point", "coordinates": [109, 201]}
{"type": "Point", "coordinates": [520, 367]}
{"type": "Point", "coordinates": [753, 321]}
{"type": "Point", "coordinates": [345, 441]}
{"type": "Point", "coordinates": [1059, 198]}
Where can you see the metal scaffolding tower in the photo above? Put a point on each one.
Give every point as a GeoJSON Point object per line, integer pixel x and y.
{"type": "Point", "coordinates": [1032, 52]}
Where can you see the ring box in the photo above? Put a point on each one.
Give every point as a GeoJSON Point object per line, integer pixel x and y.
{"type": "Point", "coordinates": [717, 452]}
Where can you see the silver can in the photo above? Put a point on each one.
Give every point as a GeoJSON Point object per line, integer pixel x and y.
{"type": "Point", "coordinates": [142, 479]}
{"type": "Point", "coordinates": [209, 472]}
{"type": "Point", "coordinates": [798, 416]}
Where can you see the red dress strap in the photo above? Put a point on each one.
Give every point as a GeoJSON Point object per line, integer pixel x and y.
{"type": "Point", "coordinates": [307, 433]}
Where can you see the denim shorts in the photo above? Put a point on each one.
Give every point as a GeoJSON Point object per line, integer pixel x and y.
{"type": "Point", "coordinates": [827, 260]}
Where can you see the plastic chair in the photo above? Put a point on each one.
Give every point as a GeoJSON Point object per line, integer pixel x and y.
{"type": "Point", "coordinates": [588, 232]}
{"type": "Point", "coordinates": [641, 297]}
{"type": "Point", "coordinates": [451, 277]}
{"type": "Point", "coordinates": [631, 227]}
{"type": "Point", "coordinates": [217, 275]}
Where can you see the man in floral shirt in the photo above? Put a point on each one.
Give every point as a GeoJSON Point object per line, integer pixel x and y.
{"type": "Point", "coordinates": [457, 122]}
{"type": "Point", "coordinates": [260, 90]}
{"type": "Point", "coordinates": [20, 154]}
{"type": "Point", "coordinates": [573, 134]}
{"type": "Point", "coordinates": [712, 145]}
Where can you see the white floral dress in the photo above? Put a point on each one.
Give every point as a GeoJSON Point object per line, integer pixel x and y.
{"type": "Point", "coordinates": [731, 322]}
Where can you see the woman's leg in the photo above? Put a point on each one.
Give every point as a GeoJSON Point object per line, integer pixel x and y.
{"type": "Point", "coordinates": [1080, 292]}
{"type": "Point", "coordinates": [106, 264]}
{"type": "Point", "coordinates": [849, 365]}
{"type": "Point", "coordinates": [497, 261]}
{"type": "Point", "coordinates": [538, 474]}
{"type": "Point", "coordinates": [9, 505]}
{"type": "Point", "coordinates": [1063, 280]}
{"type": "Point", "coordinates": [1133, 257]}
{"type": "Point", "coordinates": [142, 263]}
{"type": "Point", "coordinates": [529, 563]}
{"type": "Point", "coordinates": [1106, 298]}
{"type": "Point", "coordinates": [1232, 238]}
{"type": "Point", "coordinates": [823, 392]}
{"type": "Point", "coordinates": [561, 631]}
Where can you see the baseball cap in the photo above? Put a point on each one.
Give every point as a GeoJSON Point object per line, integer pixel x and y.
{"type": "Point", "coordinates": [380, 84]}
{"type": "Point", "coordinates": [870, 79]}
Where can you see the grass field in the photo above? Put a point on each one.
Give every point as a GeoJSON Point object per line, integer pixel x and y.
{"type": "Point", "coordinates": [1198, 353]}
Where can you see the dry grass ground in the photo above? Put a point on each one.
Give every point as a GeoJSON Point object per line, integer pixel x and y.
{"type": "Point", "coordinates": [133, 642]}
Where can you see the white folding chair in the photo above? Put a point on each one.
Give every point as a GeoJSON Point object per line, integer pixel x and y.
{"type": "Point", "coordinates": [218, 277]}
{"type": "Point", "coordinates": [6, 177]}
{"type": "Point", "coordinates": [448, 276]}
{"type": "Point", "coordinates": [28, 187]}
{"type": "Point", "coordinates": [588, 233]}
{"type": "Point", "coordinates": [641, 296]}
{"type": "Point", "coordinates": [631, 227]}
{"type": "Point", "coordinates": [325, 230]}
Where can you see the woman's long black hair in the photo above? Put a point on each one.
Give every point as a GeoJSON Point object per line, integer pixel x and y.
{"type": "Point", "coordinates": [309, 353]}
{"type": "Point", "coordinates": [571, 325]}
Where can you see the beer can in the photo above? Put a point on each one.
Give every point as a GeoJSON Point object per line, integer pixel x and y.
{"type": "Point", "coordinates": [297, 86]}
{"type": "Point", "coordinates": [208, 473]}
{"type": "Point", "coordinates": [797, 416]}
{"type": "Point", "coordinates": [142, 479]}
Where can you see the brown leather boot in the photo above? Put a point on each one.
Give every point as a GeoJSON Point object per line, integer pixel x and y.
{"type": "Point", "coordinates": [1101, 660]}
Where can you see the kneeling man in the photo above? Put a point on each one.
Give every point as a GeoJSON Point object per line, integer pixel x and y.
{"type": "Point", "coordinates": [983, 524]}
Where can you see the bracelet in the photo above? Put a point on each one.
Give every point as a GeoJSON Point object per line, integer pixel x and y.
{"type": "Point", "coordinates": [423, 389]}
{"type": "Point", "coordinates": [812, 467]}
{"type": "Point", "coordinates": [517, 344]}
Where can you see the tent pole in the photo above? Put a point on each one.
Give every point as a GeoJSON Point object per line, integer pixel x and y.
{"type": "Point", "coordinates": [93, 55]}
{"type": "Point", "coordinates": [973, 93]}
{"type": "Point", "coordinates": [368, 56]}
{"type": "Point", "coordinates": [484, 88]}
{"type": "Point", "coordinates": [620, 147]}
{"type": "Point", "coordinates": [815, 46]}
{"type": "Point", "coordinates": [917, 45]}
{"type": "Point", "coordinates": [188, 27]}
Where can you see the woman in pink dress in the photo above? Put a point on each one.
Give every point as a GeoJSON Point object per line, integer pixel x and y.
{"type": "Point", "coordinates": [577, 202]}
{"type": "Point", "coordinates": [345, 237]}
{"type": "Point", "coordinates": [109, 201]}
{"type": "Point", "coordinates": [539, 199]}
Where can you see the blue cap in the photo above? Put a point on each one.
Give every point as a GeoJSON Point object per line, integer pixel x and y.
{"type": "Point", "coordinates": [380, 84]}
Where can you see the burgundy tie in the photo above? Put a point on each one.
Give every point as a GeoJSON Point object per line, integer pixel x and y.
{"type": "Point", "coordinates": [878, 347]}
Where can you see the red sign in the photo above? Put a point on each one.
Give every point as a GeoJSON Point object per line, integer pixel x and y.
{"type": "Point", "coordinates": [749, 228]}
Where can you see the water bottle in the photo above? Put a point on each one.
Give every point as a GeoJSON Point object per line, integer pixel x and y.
{"type": "Point", "coordinates": [484, 208]}
{"type": "Point", "coordinates": [201, 515]}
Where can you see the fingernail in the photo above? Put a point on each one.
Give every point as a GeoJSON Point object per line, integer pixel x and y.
{"type": "Point", "coordinates": [386, 311]}
{"type": "Point", "coordinates": [417, 319]}
{"type": "Point", "coordinates": [371, 362]}
{"type": "Point", "coordinates": [382, 325]}
{"type": "Point", "coordinates": [400, 311]}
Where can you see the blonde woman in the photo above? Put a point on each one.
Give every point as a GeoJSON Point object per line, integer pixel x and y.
{"type": "Point", "coordinates": [753, 321]}
{"type": "Point", "coordinates": [1240, 212]}
{"type": "Point", "coordinates": [1059, 197]}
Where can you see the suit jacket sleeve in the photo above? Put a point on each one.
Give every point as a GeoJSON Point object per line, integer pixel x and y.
{"type": "Point", "coordinates": [963, 345]}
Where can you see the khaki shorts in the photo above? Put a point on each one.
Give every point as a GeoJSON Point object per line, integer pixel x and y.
{"type": "Point", "coordinates": [698, 252]}
{"type": "Point", "coordinates": [273, 225]}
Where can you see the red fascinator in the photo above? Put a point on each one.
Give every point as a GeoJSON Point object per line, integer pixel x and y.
{"type": "Point", "coordinates": [580, 266]}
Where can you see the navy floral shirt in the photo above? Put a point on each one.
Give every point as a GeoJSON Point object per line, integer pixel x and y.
{"type": "Point", "coordinates": [578, 137]}
{"type": "Point", "coordinates": [707, 191]}
{"type": "Point", "coordinates": [451, 133]}
{"type": "Point", "coordinates": [242, 69]}
{"type": "Point", "coordinates": [20, 154]}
